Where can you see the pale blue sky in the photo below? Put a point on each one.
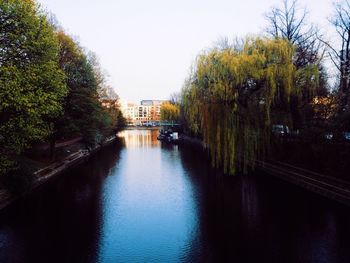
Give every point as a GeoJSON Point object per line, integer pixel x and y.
{"type": "Point", "coordinates": [147, 47]}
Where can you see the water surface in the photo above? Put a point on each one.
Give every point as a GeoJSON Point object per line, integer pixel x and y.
{"type": "Point", "coordinates": [143, 201]}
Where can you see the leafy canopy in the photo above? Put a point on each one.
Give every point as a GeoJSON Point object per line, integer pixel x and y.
{"type": "Point", "coordinates": [169, 112]}
{"type": "Point", "coordinates": [83, 112]}
{"type": "Point", "coordinates": [231, 98]}
{"type": "Point", "coordinates": [32, 86]}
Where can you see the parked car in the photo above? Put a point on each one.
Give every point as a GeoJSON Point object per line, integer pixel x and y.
{"type": "Point", "coordinates": [328, 136]}
{"type": "Point", "coordinates": [346, 135]}
{"type": "Point", "coordinates": [280, 130]}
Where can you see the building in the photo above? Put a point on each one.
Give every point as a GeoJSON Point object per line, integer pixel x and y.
{"type": "Point", "coordinates": [147, 112]}
{"type": "Point", "coordinates": [152, 102]}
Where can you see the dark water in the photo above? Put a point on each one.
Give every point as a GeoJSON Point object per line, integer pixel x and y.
{"type": "Point", "coordinates": [147, 202]}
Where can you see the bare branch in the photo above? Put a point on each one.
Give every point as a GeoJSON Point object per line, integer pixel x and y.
{"type": "Point", "coordinates": [329, 46]}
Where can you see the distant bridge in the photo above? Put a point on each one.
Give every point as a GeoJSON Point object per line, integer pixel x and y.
{"type": "Point", "coordinates": [155, 124]}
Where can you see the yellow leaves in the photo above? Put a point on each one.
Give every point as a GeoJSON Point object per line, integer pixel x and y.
{"type": "Point", "coordinates": [169, 112]}
{"type": "Point", "coordinates": [324, 106]}
{"type": "Point", "coordinates": [259, 60]}
{"type": "Point", "coordinates": [229, 100]}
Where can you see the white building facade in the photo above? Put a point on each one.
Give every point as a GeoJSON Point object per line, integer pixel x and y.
{"type": "Point", "coordinates": [147, 112]}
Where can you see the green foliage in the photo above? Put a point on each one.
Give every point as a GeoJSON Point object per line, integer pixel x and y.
{"type": "Point", "coordinates": [32, 86]}
{"type": "Point", "coordinates": [234, 95]}
{"type": "Point", "coordinates": [117, 122]}
{"type": "Point", "coordinates": [48, 86]}
{"type": "Point", "coordinates": [83, 113]}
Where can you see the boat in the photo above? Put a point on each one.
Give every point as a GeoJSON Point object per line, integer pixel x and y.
{"type": "Point", "coordinates": [168, 136]}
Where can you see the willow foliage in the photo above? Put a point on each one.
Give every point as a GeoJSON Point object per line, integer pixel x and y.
{"type": "Point", "coordinates": [169, 112]}
{"type": "Point", "coordinates": [230, 98]}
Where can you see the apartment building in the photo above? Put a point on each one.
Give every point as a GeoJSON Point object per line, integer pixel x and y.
{"type": "Point", "coordinates": [148, 111]}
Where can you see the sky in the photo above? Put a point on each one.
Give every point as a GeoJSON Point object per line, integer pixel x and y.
{"type": "Point", "coordinates": [148, 46]}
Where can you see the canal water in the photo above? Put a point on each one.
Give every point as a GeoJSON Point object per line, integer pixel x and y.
{"type": "Point", "coordinates": [143, 201]}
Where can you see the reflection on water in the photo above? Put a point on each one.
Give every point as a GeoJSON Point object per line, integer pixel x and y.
{"type": "Point", "coordinates": [149, 210]}
{"type": "Point", "coordinates": [140, 138]}
{"type": "Point", "coordinates": [60, 222]}
{"type": "Point", "coordinates": [144, 201]}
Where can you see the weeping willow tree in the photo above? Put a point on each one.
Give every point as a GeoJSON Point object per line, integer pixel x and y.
{"type": "Point", "coordinates": [233, 96]}
{"type": "Point", "coordinates": [169, 112]}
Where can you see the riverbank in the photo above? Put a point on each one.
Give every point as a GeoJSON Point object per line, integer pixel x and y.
{"type": "Point", "coordinates": [192, 140]}
{"type": "Point", "coordinates": [156, 202]}
{"type": "Point", "coordinates": [325, 185]}
{"type": "Point", "coordinates": [51, 171]}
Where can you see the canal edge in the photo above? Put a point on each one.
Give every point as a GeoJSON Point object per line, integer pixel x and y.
{"type": "Point", "coordinates": [50, 172]}
{"type": "Point", "coordinates": [326, 186]}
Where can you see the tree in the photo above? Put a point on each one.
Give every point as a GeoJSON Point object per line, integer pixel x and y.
{"type": "Point", "coordinates": [83, 113]}
{"type": "Point", "coordinates": [231, 97]}
{"type": "Point", "coordinates": [289, 22]}
{"type": "Point", "coordinates": [32, 86]}
{"type": "Point", "coordinates": [118, 122]}
{"type": "Point", "coordinates": [175, 98]}
{"type": "Point", "coordinates": [104, 89]}
{"type": "Point", "coordinates": [170, 112]}
{"type": "Point", "coordinates": [340, 57]}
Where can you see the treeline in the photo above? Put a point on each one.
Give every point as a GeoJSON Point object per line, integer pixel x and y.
{"type": "Point", "coordinates": [238, 90]}
{"type": "Point", "coordinates": [170, 111]}
{"type": "Point", "coordinates": [50, 87]}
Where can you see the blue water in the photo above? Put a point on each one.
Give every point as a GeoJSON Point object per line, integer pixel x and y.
{"type": "Point", "coordinates": [149, 205]}
{"type": "Point", "coordinates": [143, 201]}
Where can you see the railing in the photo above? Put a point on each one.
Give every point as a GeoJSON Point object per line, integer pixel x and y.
{"type": "Point", "coordinates": [327, 186]}
{"type": "Point", "coordinates": [61, 165]}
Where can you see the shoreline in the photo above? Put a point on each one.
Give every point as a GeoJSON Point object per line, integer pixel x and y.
{"type": "Point", "coordinates": [50, 172]}
{"type": "Point", "coordinates": [323, 185]}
